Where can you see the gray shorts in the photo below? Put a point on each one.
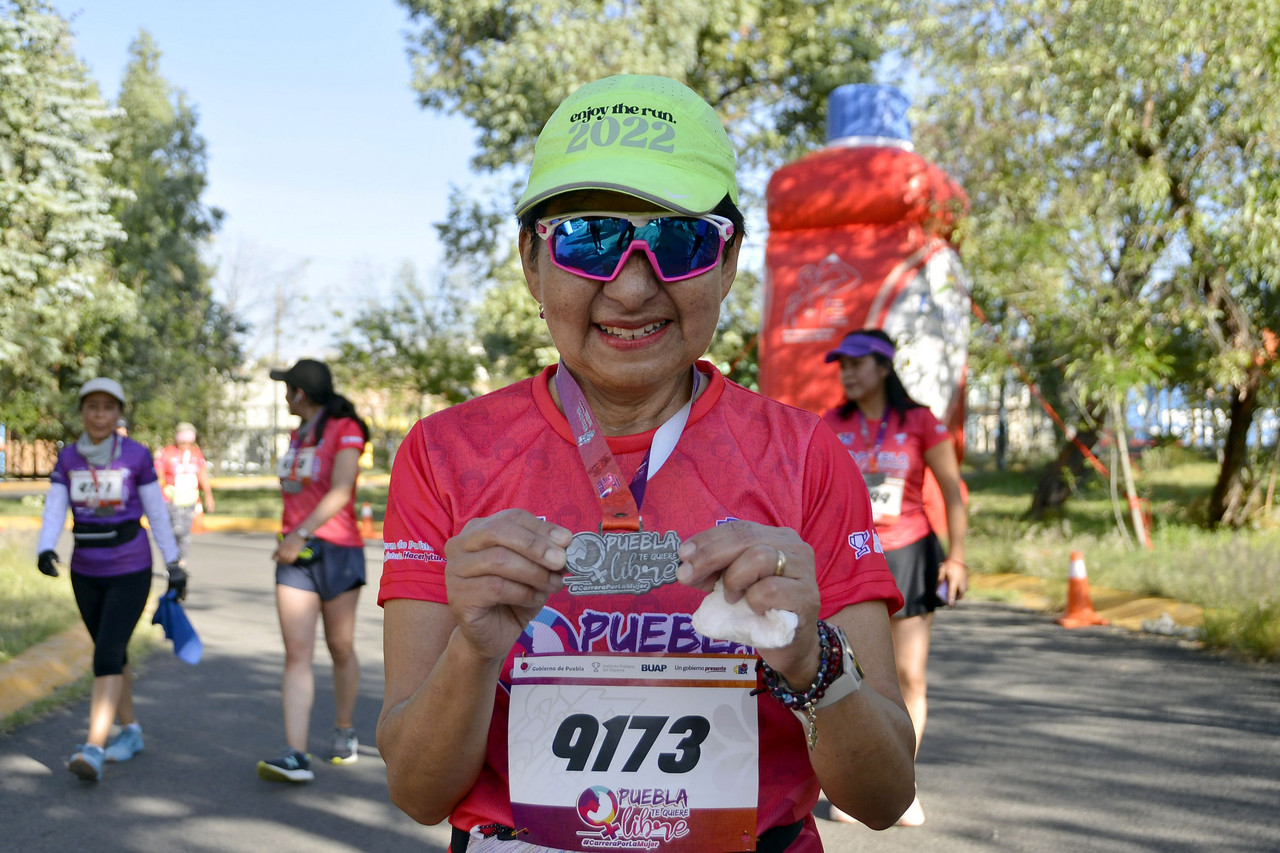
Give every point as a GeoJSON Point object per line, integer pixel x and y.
{"type": "Point", "coordinates": [336, 570]}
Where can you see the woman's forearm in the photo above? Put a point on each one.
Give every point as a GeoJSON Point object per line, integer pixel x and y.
{"type": "Point", "coordinates": [865, 752]}
{"type": "Point", "coordinates": [329, 506]}
{"type": "Point", "coordinates": [434, 742]}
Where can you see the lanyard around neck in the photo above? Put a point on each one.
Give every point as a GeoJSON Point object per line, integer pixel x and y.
{"type": "Point", "coordinates": [621, 506]}
{"type": "Point", "coordinates": [873, 464]}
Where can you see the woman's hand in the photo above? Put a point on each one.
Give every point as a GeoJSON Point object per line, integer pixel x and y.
{"type": "Point", "coordinates": [748, 556]}
{"type": "Point", "coordinates": [955, 575]}
{"type": "Point", "coordinates": [500, 572]}
{"type": "Point", "coordinates": [287, 549]}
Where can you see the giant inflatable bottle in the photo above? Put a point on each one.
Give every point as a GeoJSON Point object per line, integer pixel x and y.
{"type": "Point", "coordinates": [859, 236]}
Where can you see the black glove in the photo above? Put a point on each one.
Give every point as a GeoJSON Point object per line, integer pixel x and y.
{"type": "Point", "coordinates": [48, 563]}
{"type": "Point", "coordinates": [177, 581]}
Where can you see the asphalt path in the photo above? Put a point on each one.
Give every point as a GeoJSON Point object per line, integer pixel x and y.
{"type": "Point", "coordinates": [1039, 739]}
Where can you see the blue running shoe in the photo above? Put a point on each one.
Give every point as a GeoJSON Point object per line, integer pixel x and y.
{"type": "Point", "coordinates": [293, 766]}
{"type": "Point", "coordinates": [343, 747]}
{"type": "Point", "coordinates": [86, 762]}
{"type": "Point", "coordinates": [125, 745]}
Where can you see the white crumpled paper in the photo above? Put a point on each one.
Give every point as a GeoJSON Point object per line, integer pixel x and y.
{"type": "Point", "coordinates": [738, 623]}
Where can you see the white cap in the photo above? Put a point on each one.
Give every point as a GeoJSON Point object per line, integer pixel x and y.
{"type": "Point", "coordinates": [106, 386]}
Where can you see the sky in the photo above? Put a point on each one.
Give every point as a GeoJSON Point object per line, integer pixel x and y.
{"type": "Point", "coordinates": [329, 173]}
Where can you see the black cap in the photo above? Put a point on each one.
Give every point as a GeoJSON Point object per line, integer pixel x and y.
{"type": "Point", "coordinates": [311, 376]}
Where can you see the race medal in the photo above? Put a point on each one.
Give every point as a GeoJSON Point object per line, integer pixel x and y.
{"type": "Point", "coordinates": [104, 511]}
{"type": "Point", "coordinates": [291, 487]}
{"type": "Point", "coordinates": [634, 752]}
{"type": "Point", "coordinates": [621, 563]}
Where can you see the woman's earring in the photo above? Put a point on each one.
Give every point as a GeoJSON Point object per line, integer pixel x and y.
{"type": "Point", "coordinates": [542, 314]}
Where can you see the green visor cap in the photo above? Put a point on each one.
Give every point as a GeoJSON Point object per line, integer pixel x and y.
{"type": "Point", "coordinates": [649, 137]}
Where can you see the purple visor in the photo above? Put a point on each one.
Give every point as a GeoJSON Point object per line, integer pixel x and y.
{"type": "Point", "coordinates": [857, 345]}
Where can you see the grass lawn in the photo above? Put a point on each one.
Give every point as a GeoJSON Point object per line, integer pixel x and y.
{"type": "Point", "coordinates": [1234, 575]}
{"type": "Point", "coordinates": [33, 607]}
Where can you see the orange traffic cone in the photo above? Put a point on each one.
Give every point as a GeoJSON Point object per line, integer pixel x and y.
{"type": "Point", "coordinates": [366, 522]}
{"type": "Point", "coordinates": [1080, 612]}
{"type": "Point", "coordinates": [197, 519]}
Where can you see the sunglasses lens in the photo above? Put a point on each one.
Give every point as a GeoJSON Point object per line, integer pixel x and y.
{"type": "Point", "coordinates": [682, 246]}
{"type": "Point", "coordinates": [593, 246]}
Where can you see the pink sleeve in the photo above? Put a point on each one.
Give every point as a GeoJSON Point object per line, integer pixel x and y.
{"type": "Point", "coordinates": [837, 509]}
{"type": "Point", "coordinates": [415, 528]}
{"type": "Point", "coordinates": [932, 433]}
{"type": "Point", "coordinates": [347, 435]}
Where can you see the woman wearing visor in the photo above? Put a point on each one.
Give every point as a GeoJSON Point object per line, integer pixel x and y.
{"type": "Point", "coordinates": [894, 439]}
{"type": "Point", "coordinates": [109, 482]}
{"type": "Point", "coordinates": [550, 546]}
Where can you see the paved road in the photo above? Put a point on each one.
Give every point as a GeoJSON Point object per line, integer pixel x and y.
{"type": "Point", "coordinates": [1040, 740]}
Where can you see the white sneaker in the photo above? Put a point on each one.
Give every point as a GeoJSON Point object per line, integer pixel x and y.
{"type": "Point", "coordinates": [913, 816]}
{"type": "Point", "coordinates": [843, 817]}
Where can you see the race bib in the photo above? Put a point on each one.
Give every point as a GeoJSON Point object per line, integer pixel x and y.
{"type": "Point", "coordinates": [97, 489]}
{"type": "Point", "coordinates": [886, 496]}
{"type": "Point", "coordinates": [297, 465]}
{"type": "Point", "coordinates": [634, 752]}
{"type": "Point", "coordinates": [186, 489]}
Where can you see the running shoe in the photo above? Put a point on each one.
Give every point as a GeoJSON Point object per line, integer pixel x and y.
{"type": "Point", "coordinates": [343, 746]}
{"type": "Point", "coordinates": [86, 762]}
{"type": "Point", "coordinates": [292, 766]}
{"type": "Point", "coordinates": [842, 816]}
{"type": "Point", "coordinates": [125, 745]}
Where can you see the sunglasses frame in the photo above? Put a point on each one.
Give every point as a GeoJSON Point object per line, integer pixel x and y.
{"type": "Point", "coordinates": [545, 228]}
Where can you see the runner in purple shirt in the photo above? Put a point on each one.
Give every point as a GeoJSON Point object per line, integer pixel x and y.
{"type": "Point", "coordinates": [108, 481]}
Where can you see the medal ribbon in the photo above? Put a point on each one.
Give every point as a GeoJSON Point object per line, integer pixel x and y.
{"type": "Point", "coordinates": [304, 435]}
{"type": "Point", "coordinates": [621, 506]}
{"type": "Point", "coordinates": [93, 472]}
{"type": "Point", "coordinates": [874, 464]}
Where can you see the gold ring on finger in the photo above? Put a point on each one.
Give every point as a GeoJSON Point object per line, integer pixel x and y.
{"type": "Point", "coordinates": [782, 564]}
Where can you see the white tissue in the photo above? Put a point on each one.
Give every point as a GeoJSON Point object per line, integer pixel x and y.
{"type": "Point", "coordinates": [738, 623]}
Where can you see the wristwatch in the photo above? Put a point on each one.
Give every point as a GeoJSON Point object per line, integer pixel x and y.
{"type": "Point", "coordinates": [303, 532]}
{"type": "Point", "coordinates": [850, 678]}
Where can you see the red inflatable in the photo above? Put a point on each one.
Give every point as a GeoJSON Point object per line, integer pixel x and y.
{"type": "Point", "coordinates": [859, 236]}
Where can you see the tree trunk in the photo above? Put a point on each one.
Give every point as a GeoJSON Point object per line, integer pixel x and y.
{"type": "Point", "coordinates": [1058, 482]}
{"type": "Point", "coordinates": [1130, 492]}
{"type": "Point", "coordinates": [1228, 504]}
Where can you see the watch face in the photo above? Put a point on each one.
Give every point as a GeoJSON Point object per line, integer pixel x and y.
{"type": "Point", "coordinates": [851, 664]}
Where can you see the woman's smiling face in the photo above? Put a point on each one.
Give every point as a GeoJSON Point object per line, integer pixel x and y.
{"type": "Point", "coordinates": [630, 337]}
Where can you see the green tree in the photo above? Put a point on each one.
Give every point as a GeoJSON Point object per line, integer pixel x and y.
{"type": "Point", "coordinates": [767, 66]}
{"type": "Point", "coordinates": [1122, 164]}
{"type": "Point", "coordinates": [57, 297]}
{"type": "Point", "coordinates": [186, 344]}
{"type": "Point", "coordinates": [414, 348]}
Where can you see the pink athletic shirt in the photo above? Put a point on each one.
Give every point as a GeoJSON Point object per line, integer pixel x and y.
{"type": "Point", "coordinates": [742, 456]}
{"type": "Point", "coordinates": [173, 460]}
{"type": "Point", "coordinates": [901, 455]}
{"type": "Point", "coordinates": [311, 462]}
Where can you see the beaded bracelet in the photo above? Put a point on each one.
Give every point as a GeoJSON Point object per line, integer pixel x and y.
{"type": "Point", "coordinates": [830, 652]}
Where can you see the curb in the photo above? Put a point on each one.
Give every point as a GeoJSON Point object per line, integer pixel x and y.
{"type": "Point", "coordinates": [1130, 610]}
{"type": "Point", "coordinates": [43, 668]}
